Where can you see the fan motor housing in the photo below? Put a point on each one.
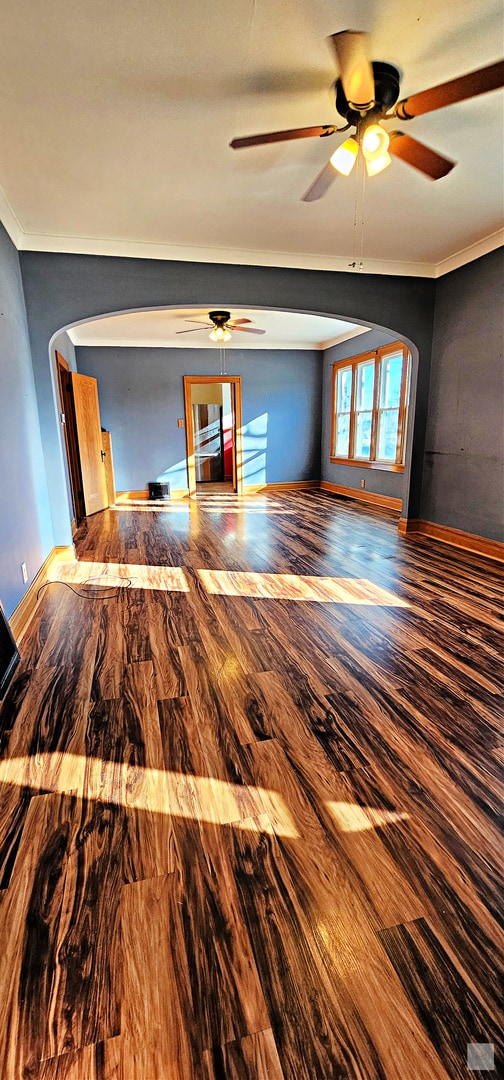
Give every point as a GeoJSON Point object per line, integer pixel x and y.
{"type": "Point", "coordinates": [387, 86]}
{"type": "Point", "coordinates": [220, 318]}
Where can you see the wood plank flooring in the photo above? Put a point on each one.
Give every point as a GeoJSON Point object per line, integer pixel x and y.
{"type": "Point", "coordinates": [251, 805]}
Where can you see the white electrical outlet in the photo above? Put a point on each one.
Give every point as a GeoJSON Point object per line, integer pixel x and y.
{"type": "Point", "coordinates": [24, 572]}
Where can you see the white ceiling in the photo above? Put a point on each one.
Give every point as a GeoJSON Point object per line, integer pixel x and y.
{"type": "Point", "coordinates": [116, 117]}
{"type": "Point", "coordinates": [163, 327]}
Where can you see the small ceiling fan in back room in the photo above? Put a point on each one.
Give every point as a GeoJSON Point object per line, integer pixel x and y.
{"type": "Point", "coordinates": [220, 326]}
{"type": "Point", "coordinates": [366, 96]}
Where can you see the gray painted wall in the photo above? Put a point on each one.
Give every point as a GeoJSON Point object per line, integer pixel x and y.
{"type": "Point", "coordinates": [61, 289]}
{"type": "Point", "coordinates": [378, 481]}
{"type": "Point", "coordinates": [464, 460]}
{"type": "Point", "coordinates": [464, 477]}
{"type": "Point", "coordinates": [141, 397]}
{"type": "Point", "coordinates": [25, 525]}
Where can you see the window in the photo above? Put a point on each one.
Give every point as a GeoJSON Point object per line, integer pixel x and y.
{"type": "Point", "coordinates": [369, 408]}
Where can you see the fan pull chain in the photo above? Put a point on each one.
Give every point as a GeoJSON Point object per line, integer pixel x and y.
{"type": "Point", "coordinates": [359, 214]}
{"type": "Point", "coordinates": [222, 354]}
{"type": "Point", "coordinates": [363, 203]}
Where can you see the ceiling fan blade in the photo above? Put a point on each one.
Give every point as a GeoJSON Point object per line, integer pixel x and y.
{"type": "Point", "coordinates": [352, 48]}
{"type": "Point", "coordinates": [247, 330]}
{"type": "Point", "coordinates": [467, 86]}
{"type": "Point", "coordinates": [282, 136]}
{"type": "Point", "coordinates": [238, 322]}
{"type": "Point", "coordinates": [321, 184]}
{"type": "Point", "coordinates": [197, 322]}
{"type": "Point", "coordinates": [419, 155]}
{"type": "Point", "coordinates": [196, 329]}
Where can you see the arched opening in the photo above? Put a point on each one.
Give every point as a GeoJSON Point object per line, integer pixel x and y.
{"type": "Point", "coordinates": [146, 378]}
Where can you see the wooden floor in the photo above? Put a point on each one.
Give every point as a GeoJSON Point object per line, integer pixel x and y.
{"type": "Point", "coordinates": [251, 805]}
{"type": "Point", "coordinates": [217, 487]}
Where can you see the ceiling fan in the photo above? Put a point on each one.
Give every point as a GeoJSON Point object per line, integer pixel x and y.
{"type": "Point", "coordinates": [366, 95]}
{"type": "Point", "coordinates": [221, 325]}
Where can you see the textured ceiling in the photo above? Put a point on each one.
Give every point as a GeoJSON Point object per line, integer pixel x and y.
{"type": "Point", "coordinates": [115, 122]}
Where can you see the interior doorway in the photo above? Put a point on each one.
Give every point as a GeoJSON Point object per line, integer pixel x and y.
{"type": "Point", "coordinates": [213, 433]}
{"type": "Point", "coordinates": [67, 419]}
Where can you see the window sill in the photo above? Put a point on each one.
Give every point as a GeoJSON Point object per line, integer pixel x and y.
{"type": "Point", "coordinates": [379, 465]}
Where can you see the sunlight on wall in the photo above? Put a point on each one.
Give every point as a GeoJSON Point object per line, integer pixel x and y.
{"type": "Point", "coordinates": [254, 447]}
{"type": "Point", "coordinates": [198, 798]}
{"type": "Point", "coordinates": [350, 817]}
{"type": "Point", "coordinates": [295, 587]}
{"type": "Point", "coordinates": [175, 476]}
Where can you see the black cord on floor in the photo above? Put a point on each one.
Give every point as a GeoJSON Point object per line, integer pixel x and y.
{"type": "Point", "coordinates": [98, 593]}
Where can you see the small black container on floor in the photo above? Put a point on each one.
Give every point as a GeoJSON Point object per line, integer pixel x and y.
{"type": "Point", "coordinates": [159, 491]}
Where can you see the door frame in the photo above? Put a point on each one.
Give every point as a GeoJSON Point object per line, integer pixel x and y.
{"type": "Point", "coordinates": [67, 420]}
{"type": "Point", "coordinates": [236, 406]}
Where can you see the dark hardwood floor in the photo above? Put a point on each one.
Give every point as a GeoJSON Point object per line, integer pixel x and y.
{"type": "Point", "coordinates": [251, 805]}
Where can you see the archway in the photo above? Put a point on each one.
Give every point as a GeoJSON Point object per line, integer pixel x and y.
{"type": "Point", "coordinates": [381, 488]}
{"type": "Point", "coordinates": [62, 290]}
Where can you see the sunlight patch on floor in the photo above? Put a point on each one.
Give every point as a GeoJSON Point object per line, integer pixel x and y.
{"type": "Point", "coordinates": [242, 508]}
{"type": "Point", "coordinates": [209, 504]}
{"type": "Point", "coordinates": [152, 508]}
{"type": "Point", "coordinates": [162, 578]}
{"type": "Point", "coordinates": [351, 817]}
{"type": "Point", "coordinates": [324, 590]}
{"type": "Point", "coordinates": [197, 798]}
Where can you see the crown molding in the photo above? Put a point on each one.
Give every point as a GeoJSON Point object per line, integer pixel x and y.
{"type": "Point", "coordinates": [10, 222]}
{"type": "Point", "coordinates": [469, 254]}
{"type": "Point", "coordinates": [132, 249]}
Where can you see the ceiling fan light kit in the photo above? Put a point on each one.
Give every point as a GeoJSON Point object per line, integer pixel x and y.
{"type": "Point", "coordinates": [219, 333]}
{"type": "Point", "coordinates": [374, 142]}
{"type": "Point", "coordinates": [366, 96]}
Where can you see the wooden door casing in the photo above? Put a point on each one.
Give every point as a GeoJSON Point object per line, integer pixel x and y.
{"type": "Point", "coordinates": [234, 382]}
{"type": "Point", "coordinates": [67, 416]}
{"type": "Point", "coordinates": [109, 466]}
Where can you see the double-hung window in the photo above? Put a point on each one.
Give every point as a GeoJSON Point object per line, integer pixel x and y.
{"type": "Point", "coordinates": [369, 408]}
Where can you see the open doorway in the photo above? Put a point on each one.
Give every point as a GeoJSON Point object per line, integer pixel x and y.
{"type": "Point", "coordinates": [213, 433]}
{"type": "Point", "coordinates": [67, 416]}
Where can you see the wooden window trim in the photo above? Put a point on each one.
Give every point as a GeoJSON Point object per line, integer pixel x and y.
{"type": "Point", "coordinates": [377, 355]}
{"type": "Point", "coordinates": [351, 438]}
{"type": "Point", "coordinates": [365, 358]}
{"type": "Point", "coordinates": [359, 463]}
{"type": "Point", "coordinates": [342, 366]}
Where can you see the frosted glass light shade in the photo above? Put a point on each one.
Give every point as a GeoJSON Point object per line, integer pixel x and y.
{"type": "Point", "coordinates": [375, 142]}
{"type": "Point", "coordinates": [378, 164]}
{"type": "Point", "coordinates": [344, 158]}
